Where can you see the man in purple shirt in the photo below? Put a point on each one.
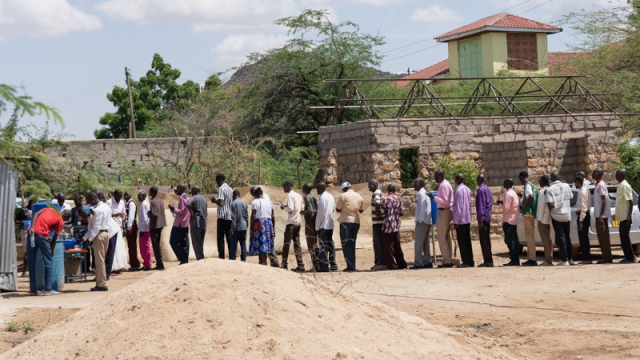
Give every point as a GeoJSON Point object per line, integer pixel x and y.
{"type": "Point", "coordinates": [444, 198]}
{"type": "Point", "coordinates": [179, 238]}
{"type": "Point", "coordinates": [483, 213]}
{"type": "Point", "coordinates": [462, 221]}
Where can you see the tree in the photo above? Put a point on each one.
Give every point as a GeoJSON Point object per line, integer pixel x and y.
{"type": "Point", "coordinates": [278, 87]}
{"type": "Point", "coordinates": [9, 95]}
{"type": "Point", "coordinates": [154, 95]}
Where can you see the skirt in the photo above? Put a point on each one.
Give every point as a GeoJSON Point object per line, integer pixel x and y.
{"type": "Point", "coordinates": [262, 241]}
{"type": "Point", "coordinates": [120, 255]}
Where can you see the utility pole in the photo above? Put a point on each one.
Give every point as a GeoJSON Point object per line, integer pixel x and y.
{"type": "Point", "coordinates": [132, 124]}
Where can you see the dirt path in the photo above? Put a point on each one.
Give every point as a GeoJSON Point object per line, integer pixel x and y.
{"type": "Point", "coordinates": [578, 312]}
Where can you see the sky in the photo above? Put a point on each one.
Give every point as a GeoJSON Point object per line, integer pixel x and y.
{"type": "Point", "coordinates": [70, 53]}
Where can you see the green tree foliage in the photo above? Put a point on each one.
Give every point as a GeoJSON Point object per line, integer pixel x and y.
{"type": "Point", "coordinates": [452, 167]}
{"type": "Point", "coordinates": [281, 84]}
{"type": "Point", "coordinates": [9, 96]}
{"type": "Point", "coordinates": [629, 152]}
{"type": "Point", "coordinates": [608, 46]}
{"type": "Point", "coordinates": [154, 96]}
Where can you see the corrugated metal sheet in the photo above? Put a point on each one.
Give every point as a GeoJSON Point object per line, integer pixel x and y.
{"type": "Point", "coordinates": [503, 20]}
{"type": "Point", "coordinates": [8, 262]}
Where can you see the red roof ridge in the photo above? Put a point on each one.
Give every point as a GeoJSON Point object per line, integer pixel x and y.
{"type": "Point", "coordinates": [502, 21]}
{"type": "Point", "coordinates": [428, 72]}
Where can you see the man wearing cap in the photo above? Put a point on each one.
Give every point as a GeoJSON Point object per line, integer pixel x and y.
{"type": "Point", "coordinates": [350, 205]}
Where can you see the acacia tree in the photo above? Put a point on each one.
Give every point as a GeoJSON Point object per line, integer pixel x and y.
{"type": "Point", "coordinates": [280, 85]}
{"type": "Point", "coordinates": [154, 96]}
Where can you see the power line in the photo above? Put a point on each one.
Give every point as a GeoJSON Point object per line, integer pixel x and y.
{"type": "Point", "coordinates": [81, 95]}
{"type": "Point", "coordinates": [535, 7]}
{"type": "Point", "coordinates": [413, 53]}
{"type": "Point", "coordinates": [85, 92]}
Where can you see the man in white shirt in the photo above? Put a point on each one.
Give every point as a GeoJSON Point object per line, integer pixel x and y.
{"type": "Point", "coordinates": [583, 213]}
{"type": "Point", "coordinates": [544, 222]}
{"type": "Point", "coordinates": [423, 227]}
{"type": "Point", "coordinates": [350, 205]}
{"type": "Point", "coordinates": [131, 232]}
{"type": "Point", "coordinates": [144, 231]}
{"type": "Point", "coordinates": [99, 236]}
{"type": "Point", "coordinates": [586, 183]}
{"type": "Point", "coordinates": [558, 199]}
{"type": "Point", "coordinates": [118, 208]}
{"type": "Point", "coordinates": [292, 229]}
{"type": "Point", "coordinates": [324, 226]}
{"type": "Point", "coordinates": [602, 212]}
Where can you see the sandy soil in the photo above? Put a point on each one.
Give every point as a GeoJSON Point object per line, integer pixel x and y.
{"type": "Point", "coordinates": [578, 312]}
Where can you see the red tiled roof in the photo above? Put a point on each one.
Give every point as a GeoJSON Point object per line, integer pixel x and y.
{"type": "Point", "coordinates": [431, 71]}
{"type": "Point", "coordinates": [497, 22]}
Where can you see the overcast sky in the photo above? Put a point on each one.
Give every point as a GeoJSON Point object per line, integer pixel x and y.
{"type": "Point", "coordinates": [70, 53]}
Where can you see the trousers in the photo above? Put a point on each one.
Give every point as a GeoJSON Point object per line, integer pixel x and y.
{"type": "Point", "coordinates": [511, 239]}
{"type": "Point", "coordinates": [43, 245]}
{"type": "Point", "coordinates": [132, 245]}
{"type": "Point", "coordinates": [484, 231]}
{"type": "Point", "coordinates": [312, 241]}
{"type": "Point", "coordinates": [625, 240]}
{"type": "Point", "coordinates": [583, 237]}
{"type": "Point", "coordinates": [529, 235]}
{"type": "Point", "coordinates": [463, 231]}
{"type": "Point", "coordinates": [100, 245]}
{"type": "Point", "coordinates": [197, 241]}
{"type": "Point", "coordinates": [224, 226]}
{"type": "Point", "coordinates": [604, 240]}
{"type": "Point", "coordinates": [443, 225]}
{"type": "Point", "coordinates": [563, 241]}
{"type": "Point", "coordinates": [145, 249]}
{"type": "Point", "coordinates": [111, 251]}
{"type": "Point", "coordinates": [273, 259]}
{"type": "Point", "coordinates": [545, 235]}
{"type": "Point", "coordinates": [422, 252]}
{"type": "Point", "coordinates": [327, 253]}
{"type": "Point", "coordinates": [394, 258]}
{"type": "Point", "coordinates": [292, 233]}
{"type": "Point", "coordinates": [179, 241]}
{"type": "Point", "coordinates": [378, 250]}
{"type": "Point", "coordinates": [348, 237]}
{"type": "Point", "coordinates": [239, 236]}
{"type": "Point", "coordinates": [157, 250]}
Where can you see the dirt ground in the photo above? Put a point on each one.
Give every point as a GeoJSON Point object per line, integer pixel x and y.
{"type": "Point", "coordinates": [577, 312]}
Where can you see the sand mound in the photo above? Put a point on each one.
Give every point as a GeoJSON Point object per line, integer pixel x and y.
{"type": "Point", "coordinates": [217, 309]}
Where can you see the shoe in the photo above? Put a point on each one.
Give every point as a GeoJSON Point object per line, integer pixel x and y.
{"type": "Point", "coordinates": [605, 261]}
{"type": "Point", "coordinates": [349, 270]}
{"type": "Point", "coordinates": [627, 261]}
{"type": "Point", "coordinates": [183, 263]}
{"type": "Point", "coordinates": [530, 263]}
{"type": "Point", "coordinates": [37, 293]}
{"type": "Point", "coordinates": [486, 265]}
{"type": "Point", "coordinates": [51, 293]}
{"type": "Point", "coordinates": [284, 267]}
{"type": "Point", "coordinates": [463, 265]}
{"type": "Point", "coordinates": [571, 262]}
{"type": "Point", "coordinates": [416, 267]}
{"type": "Point", "coordinates": [445, 266]}
{"type": "Point", "coordinates": [512, 263]}
{"type": "Point", "coordinates": [428, 266]}
{"type": "Point", "coordinates": [145, 269]}
{"type": "Point", "coordinates": [100, 288]}
{"type": "Point", "coordinates": [298, 270]}
{"type": "Point", "coordinates": [546, 263]}
{"type": "Point", "coordinates": [134, 269]}
{"type": "Point", "coordinates": [562, 263]}
{"type": "Point", "coordinates": [379, 267]}
{"type": "Point", "coordinates": [158, 268]}
{"type": "Point", "coordinates": [586, 262]}
{"type": "Point", "coordinates": [334, 268]}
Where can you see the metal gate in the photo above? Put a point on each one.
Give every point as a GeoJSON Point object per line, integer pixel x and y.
{"type": "Point", "coordinates": [8, 261]}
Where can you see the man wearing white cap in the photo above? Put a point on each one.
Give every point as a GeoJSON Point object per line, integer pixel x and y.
{"type": "Point", "coordinates": [350, 205]}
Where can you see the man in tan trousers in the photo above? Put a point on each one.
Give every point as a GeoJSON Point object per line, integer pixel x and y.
{"type": "Point", "coordinates": [99, 236]}
{"type": "Point", "coordinates": [444, 198]}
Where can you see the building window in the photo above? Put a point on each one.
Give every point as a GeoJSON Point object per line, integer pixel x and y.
{"type": "Point", "coordinates": [522, 50]}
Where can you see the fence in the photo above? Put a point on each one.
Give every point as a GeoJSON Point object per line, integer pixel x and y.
{"type": "Point", "coordinates": [8, 261]}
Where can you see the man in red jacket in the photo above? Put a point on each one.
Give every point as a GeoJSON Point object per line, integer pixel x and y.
{"type": "Point", "coordinates": [45, 222]}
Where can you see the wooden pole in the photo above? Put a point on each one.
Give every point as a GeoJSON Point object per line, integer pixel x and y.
{"type": "Point", "coordinates": [132, 124]}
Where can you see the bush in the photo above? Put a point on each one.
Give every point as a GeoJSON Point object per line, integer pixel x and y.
{"type": "Point", "coordinates": [452, 167]}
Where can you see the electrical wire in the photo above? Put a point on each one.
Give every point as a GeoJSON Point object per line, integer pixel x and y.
{"type": "Point", "coordinates": [535, 7]}
{"type": "Point", "coordinates": [88, 91]}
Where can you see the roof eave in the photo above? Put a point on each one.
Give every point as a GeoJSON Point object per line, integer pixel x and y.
{"type": "Point", "coordinates": [495, 29]}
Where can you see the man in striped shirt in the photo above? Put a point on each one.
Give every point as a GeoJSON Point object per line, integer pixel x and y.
{"type": "Point", "coordinates": [225, 198]}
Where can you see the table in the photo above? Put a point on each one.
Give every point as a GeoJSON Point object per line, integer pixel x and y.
{"type": "Point", "coordinates": [67, 254]}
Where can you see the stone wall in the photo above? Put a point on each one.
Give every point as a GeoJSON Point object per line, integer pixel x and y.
{"type": "Point", "coordinates": [500, 146]}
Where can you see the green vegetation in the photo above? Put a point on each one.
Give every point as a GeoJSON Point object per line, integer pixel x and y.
{"type": "Point", "coordinates": [630, 160]}
{"type": "Point", "coordinates": [452, 167]}
{"type": "Point", "coordinates": [12, 326]}
{"type": "Point", "coordinates": [28, 327]}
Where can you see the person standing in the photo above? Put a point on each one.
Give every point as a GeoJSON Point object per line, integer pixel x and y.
{"type": "Point", "coordinates": [586, 183]}
{"type": "Point", "coordinates": [602, 212]}
{"type": "Point", "coordinates": [484, 207]}
{"type": "Point", "coordinates": [376, 221]}
{"type": "Point", "coordinates": [462, 221]}
{"type": "Point", "coordinates": [157, 221]}
{"type": "Point", "coordinates": [583, 219]}
{"type": "Point", "coordinates": [558, 199]}
{"type": "Point", "coordinates": [117, 255]}
{"type": "Point", "coordinates": [624, 214]}
{"type": "Point", "coordinates": [179, 237]}
{"type": "Point", "coordinates": [510, 212]}
{"type": "Point", "coordinates": [392, 209]}
{"type": "Point", "coordinates": [198, 221]}
{"type": "Point", "coordinates": [45, 222]}
{"type": "Point", "coordinates": [144, 231]}
{"type": "Point", "coordinates": [310, 211]}
{"type": "Point", "coordinates": [350, 205]}
{"type": "Point", "coordinates": [544, 222]}
{"type": "Point", "coordinates": [239, 223]}
{"type": "Point", "coordinates": [98, 235]}
{"type": "Point", "coordinates": [529, 208]}
{"type": "Point", "coordinates": [79, 225]}
{"type": "Point", "coordinates": [225, 198]}
{"type": "Point", "coordinates": [261, 230]}
{"type": "Point", "coordinates": [131, 232]}
{"type": "Point", "coordinates": [324, 227]}
{"type": "Point", "coordinates": [292, 229]}
{"type": "Point", "coordinates": [444, 198]}
{"type": "Point", "coordinates": [422, 257]}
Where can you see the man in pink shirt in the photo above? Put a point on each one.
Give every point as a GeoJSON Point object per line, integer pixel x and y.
{"type": "Point", "coordinates": [444, 199]}
{"type": "Point", "coordinates": [462, 221]}
{"type": "Point", "coordinates": [179, 239]}
{"type": "Point", "coordinates": [510, 213]}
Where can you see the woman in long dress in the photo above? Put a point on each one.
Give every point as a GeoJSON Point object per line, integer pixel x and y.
{"type": "Point", "coordinates": [261, 229]}
{"type": "Point", "coordinates": [119, 214]}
